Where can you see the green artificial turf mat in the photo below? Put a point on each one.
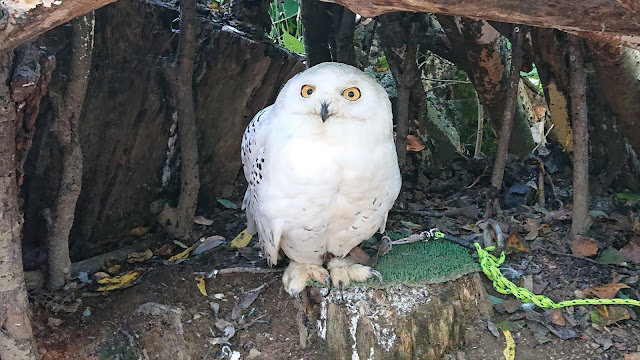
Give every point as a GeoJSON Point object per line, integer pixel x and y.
{"type": "Point", "coordinates": [425, 262]}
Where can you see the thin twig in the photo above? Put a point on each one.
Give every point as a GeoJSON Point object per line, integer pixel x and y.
{"type": "Point", "coordinates": [621, 268]}
{"type": "Point", "coordinates": [241, 269]}
{"type": "Point", "coordinates": [507, 119]}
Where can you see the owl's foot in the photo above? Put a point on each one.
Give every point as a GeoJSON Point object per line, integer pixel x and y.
{"type": "Point", "coordinates": [343, 271]}
{"type": "Point", "coordinates": [297, 275]}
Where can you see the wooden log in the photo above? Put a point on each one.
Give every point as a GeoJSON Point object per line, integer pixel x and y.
{"type": "Point", "coordinates": [610, 20]}
{"type": "Point", "coordinates": [20, 23]}
{"type": "Point", "coordinates": [400, 322]}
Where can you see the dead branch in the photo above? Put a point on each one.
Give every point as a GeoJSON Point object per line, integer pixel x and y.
{"type": "Point", "coordinates": [35, 279]}
{"type": "Point", "coordinates": [607, 20]}
{"type": "Point", "coordinates": [398, 38]}
{"type": "Point", "coordinates": [66, 130]}
{"type": "Point", "coordinates": [581, 220]}
{"type": "Point", "coordinates": [20, 28]}
{"type": "Point", "coordinates": [16, 335]}
{"type": "Point", "coordinates": [507, 120]}
{"type": "Point", "coordinates": [178, 221]}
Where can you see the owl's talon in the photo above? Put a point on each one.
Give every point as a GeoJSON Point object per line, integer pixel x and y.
{"type": "Point", "coordinates": [341, 288]}
{"type": "Point", "coordinates": [297, 297]}
{"type": "Point", "coordinates": [327, 280]}
{"type": "Point", "coordinates": [297, 275]}
{"type": "Point", "coordinates": [377, 274]}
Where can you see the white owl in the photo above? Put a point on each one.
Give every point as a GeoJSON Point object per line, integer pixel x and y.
{"type": "Point", "coordinates": [323, 173]}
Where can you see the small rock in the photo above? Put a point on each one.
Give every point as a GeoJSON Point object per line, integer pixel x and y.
{"type": "Point", "coordinates": [86, 312]}
{"type": "Point", "coordinates": [253, 354]}
{"type": "Point", "coordinates": [53, 322]}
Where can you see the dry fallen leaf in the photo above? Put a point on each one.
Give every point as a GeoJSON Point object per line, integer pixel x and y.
{"type": "Point", "coordinates": [632, 250]}
{"type": "Point", "coordinates": [557, 317]}
{"type": "Point", "coordinates": [182, 255]}
{"type": "Point", "coordinates": [584, 246]}
{"type": "Point", "coordinates": [201, 220]}
{"type": "Point", "coordinates": [114, 269]}
{"type": "Point", "coordinates": [606, 315]}
{"type": "Point", "coordinates": [632, 356]}
{"type": "Point", "coordinates": [514, 244]}
{"type": "Point", "coordinates": [164, 250]}
{"type": "Point", "coordinates": [139, 231]}
{"type": "Point", "coordinates": [607, 291]}
{"type": "Point", "coordinates": [138, 257]}
{"type": "Point", "coordinates": [201, 286]}
{"type": "Point", "coordinates": [414, 144]}
{"type": "Point", "coordinates": [207, 244]}
{"type": "Point", "coordinates": [532, 226]}
{"type": "Point", "coordinates": [119, 282]}
{"type": "Point", "coordinates": [241, 240]}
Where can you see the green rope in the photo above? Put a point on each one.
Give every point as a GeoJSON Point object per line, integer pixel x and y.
{"type": "Point", "coordinates": [490, 266]}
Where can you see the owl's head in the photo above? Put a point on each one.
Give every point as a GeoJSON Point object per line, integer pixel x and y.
{"type": "Point", "coordinates": [335, 92]}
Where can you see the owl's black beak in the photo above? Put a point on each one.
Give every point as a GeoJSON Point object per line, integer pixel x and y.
{"type": "Point", "coordinates": [324, 111]}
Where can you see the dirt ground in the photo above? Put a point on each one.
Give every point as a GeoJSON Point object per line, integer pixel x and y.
{"type": "Point", "coordinates": [80, 323]}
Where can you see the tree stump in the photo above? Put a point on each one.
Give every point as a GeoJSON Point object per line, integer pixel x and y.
{"type": "Point", "coordinates": [399, 321]}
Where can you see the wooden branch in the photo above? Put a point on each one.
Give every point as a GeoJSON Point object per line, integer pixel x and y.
{"type": "Point", "coordinates": [66, 129]}
{"type": "Point", "coordinates": [507, 120]}
{"type": "Point", "coordinates": [42, 19]}
{"type": "Point", "coordinates": [581, 221]}
{"type": "Point", "coordinates": [398, 38]}
{"type": "Point", "coordinates": [16, 336]}
{"type": "Point", "coordinates": [179, 221]}
{"type": "Point", "coordinates": [614, 20]}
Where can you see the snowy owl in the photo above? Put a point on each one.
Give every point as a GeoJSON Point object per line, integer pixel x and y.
{"type": "Point", "coordinates": [323, 173]}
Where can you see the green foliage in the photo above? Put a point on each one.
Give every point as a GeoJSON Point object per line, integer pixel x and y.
{"type": "Point", "coordinates": [286, 27]}
{"type": "Point", "coordinates": [533, 78]}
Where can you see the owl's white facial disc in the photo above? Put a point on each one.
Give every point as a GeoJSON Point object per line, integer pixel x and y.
{"type": "Point", "coordinates": [330, 92]}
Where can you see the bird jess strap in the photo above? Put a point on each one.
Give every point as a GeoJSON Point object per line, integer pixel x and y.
{"type": "Point", "coordinates": [490, 267]}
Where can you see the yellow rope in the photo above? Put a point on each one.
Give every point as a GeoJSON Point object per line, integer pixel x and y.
{"type": "Point", "coordinates": [490, 266]}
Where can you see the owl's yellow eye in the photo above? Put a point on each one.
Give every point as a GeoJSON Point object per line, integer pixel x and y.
{"type": "Point", "coordinates": [351, 94]}
{"type": "Point", "coordinates": [307, 90]}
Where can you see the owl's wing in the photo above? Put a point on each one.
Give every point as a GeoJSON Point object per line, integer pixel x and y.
{"type": "Point", "coordinates": [253, 156]}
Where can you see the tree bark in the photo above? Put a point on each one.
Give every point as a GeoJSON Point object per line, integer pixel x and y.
{"type": "Point", "coordinates": [346, 49]}
{"type": "Point", "coordinates": [485, 62]}
{"type": "Point", "coordinates": [66, 130]}
{"type": "Point", "coordinates": [29, 83]}
{"type": "Point", "coordinates": [16, 335]}
{"type": "Point", "coordinates": [398, 39]}
{"type": "Point", "coordinates": [610, 20]}
{"type": "Point", "coordinates": [550, 51]}
{"type": "Point", "coordinates": [317, 19]}
{"type": "Point", "coordinates": [179, 221]}
{"type": "Point", "coordinates": [18, 28]}
{"type": "Point", "coordinates": [618, 70]}
{"type": "Point", "coordinates": [581, 221]}
{"type": "Point", "coordinates": [507, 120]}
{"type": "Point", "coordinates": [328, 32]}
{"type": "Point", "coordinates": [253, 15]}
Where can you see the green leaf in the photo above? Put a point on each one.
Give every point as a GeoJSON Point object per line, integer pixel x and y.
{"type": "Point", "coordinates": [507, 325]}
{"type": "Point", "coordinates": [597, 213]}
{"type": "Point", "coordinates": [628, 196]}
{"type": "Point", "coordinates": [290, 7]}
{"type": "Point", "coordinates": [181, 244]}
{"type": "Point", "coordinates": [495, 300]}
{"type": "Point", "coordinates": [611, 256]}
{"type": "Point", "coordinates": [292, 43]}
{"type": "Point", "coordinates": [228, 204]}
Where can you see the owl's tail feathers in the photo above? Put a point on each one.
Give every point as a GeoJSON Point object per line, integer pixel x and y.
{"type": "Point", "coordinates": [270, 236]}
{"type": "Point", "coordinates": [247, 206]}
